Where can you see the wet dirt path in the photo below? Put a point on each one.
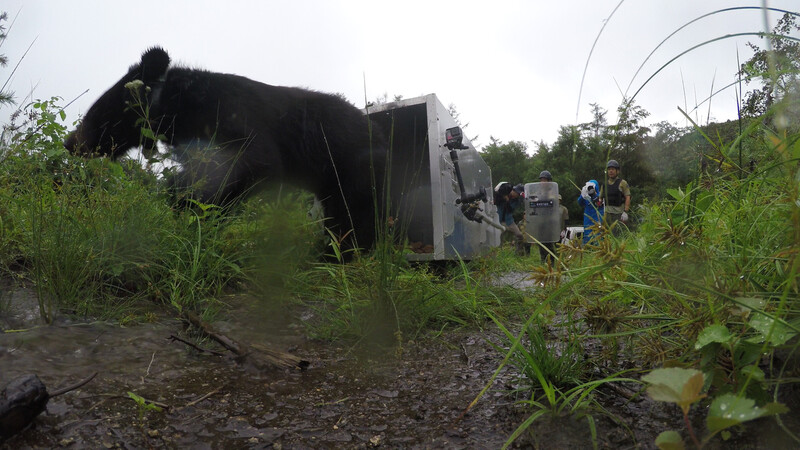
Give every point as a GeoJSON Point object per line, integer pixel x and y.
{"type": "Point", "coordinates": [343, 400]}
{"type": "Point", "coordinates": [213, 402]}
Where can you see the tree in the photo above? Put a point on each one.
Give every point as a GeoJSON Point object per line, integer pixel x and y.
{"type": "Point", "coordinates": [598, 138]}
{"type": "Point", "coordinates": [508, 162]}
{"type": "Point", "coordinates": [777, 70]}
{"type": "Point", "coordinates": [598, 127]}
{"type": "Point", "coordinates": [570, 163]}
{"type": "Point", "coordinates": [629, 148]}
{"type": "Point", "coordinates": [673, 158]}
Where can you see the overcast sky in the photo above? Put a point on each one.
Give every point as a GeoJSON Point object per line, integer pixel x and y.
{"type": "Point", "coordinates": [513, 69]}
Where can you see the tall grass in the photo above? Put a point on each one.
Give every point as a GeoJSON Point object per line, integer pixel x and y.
{"type": "Point", "coordinates": [352, 305]}
{"type": "Point", "coordinates": [709, 281]}
{"type": "Point", "coordinates": [97, 237]}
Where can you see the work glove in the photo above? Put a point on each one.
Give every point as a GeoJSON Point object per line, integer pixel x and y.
{"type": "Point", "coordinates": [585, 192]}
{"type": "Point", "coordinates": [624, 217]}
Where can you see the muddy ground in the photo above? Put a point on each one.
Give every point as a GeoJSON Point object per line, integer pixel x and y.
{"type": "Point", "coordinates": [343, 400]}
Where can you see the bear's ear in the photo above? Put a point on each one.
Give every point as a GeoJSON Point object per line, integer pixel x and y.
{"type": "Point", "coordinates": [155, 62]}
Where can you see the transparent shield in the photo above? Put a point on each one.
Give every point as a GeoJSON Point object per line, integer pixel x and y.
{"type": "Point", "coordinates": [542, 212]}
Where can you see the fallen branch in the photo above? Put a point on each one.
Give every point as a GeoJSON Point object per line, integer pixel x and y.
{"type": "Point", "coordinates": [64, 390]}
{"type": "Point", "coordinates": [257, 354]}
{"type": "Point", "coordinates": [172, 337]}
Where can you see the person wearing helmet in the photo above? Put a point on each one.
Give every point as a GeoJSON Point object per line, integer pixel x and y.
{"type": "Point", "coordinates": [617, 196]}
{"type": "Point", "coordinates": [507, 198]}
{"type": "Point", "coordinates": [545, 176]}
{"type": "Point", "coordinates": [502, 189]}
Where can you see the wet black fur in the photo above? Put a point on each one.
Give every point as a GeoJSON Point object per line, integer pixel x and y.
{"type": "Point", "coordinates": [231, 134]}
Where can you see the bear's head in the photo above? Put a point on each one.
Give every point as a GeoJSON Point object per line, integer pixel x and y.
{"type": "Point", "coordinates": [114, 123]}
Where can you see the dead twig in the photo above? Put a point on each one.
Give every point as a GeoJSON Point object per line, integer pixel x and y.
{"type": "Point", "coordinates": [172, 337]}
{"type": "Point", "coordinates": [200, 399]}
{"type": "Point", "coordinates": [64, 390]}
{"type": "Point", "coordinates": [208, 330]}
{"type": "Point", "coordinates": [147, 373]}
{"type": "Point", "coordinates": [263, 355]}
{"type": "Point", "coordinates": [465, 355]}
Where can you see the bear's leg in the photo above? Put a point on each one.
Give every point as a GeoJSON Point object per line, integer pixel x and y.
{"type": "Point", "coordinates": [351, 220]}
{"type": "Point", "coordinates": [217, 174]}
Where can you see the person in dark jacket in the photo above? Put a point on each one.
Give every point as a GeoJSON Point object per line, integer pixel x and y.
{"type": "Point", "coordinates": [616, 196]}
{"type": "Point", "coordinates": [507, 198]}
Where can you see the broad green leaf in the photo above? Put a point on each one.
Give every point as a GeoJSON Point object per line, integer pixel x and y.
{"type": "Point", "coordinates": [677, 194]}
{"type": "Point", "coordinates": [137, 398]}
{"type": "Point", "coordinates": [712, 333]}
{"type": "Point", "coordinates": [720, 423]}
{"type": "Point", "coordinates": [675, 385]}
{"type": "Point", "coordinates": [691, 391]}
{"type": "Point", "coordinates": [704, 201]}
{"type": "Point", "coordinates": [755, 372]}
{"type": "Point", "coordinates": [663, 393]}
{"type": "Point", "coordinates": [669, 440]}
{"type": "Point", "coordinates": [752, 302]}
{"type": "Point", "coordinates": [148, 133]}
{"type": "Point", "coordinates": [729, 410]}
{"type": "Point", "coordinates": [774, 408]}
{"type": "Point", "coordinates": [744, 305]}
{"type": "Point", "coordinates": [763, 324]}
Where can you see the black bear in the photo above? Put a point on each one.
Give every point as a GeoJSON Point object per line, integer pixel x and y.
{"type": "Point", "coordinates": [231, 134]}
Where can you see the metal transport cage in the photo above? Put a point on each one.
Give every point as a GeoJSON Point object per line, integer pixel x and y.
{"type": "Point", "coordinates": [441, 189]}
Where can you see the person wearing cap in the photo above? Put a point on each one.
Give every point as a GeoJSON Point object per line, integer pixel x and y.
{"type": "Point", "coordinates": [617, 196]}
{"type": "Point", "coordinates": [507, 198]}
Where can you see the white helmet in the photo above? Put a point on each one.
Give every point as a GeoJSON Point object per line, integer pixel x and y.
{"type": "Point", "coordinates": [497, 188]}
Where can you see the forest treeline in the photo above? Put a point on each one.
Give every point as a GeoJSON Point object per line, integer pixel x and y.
{"type": "Point", "coordinates": [653, 159]}
{"type": "Point", "coordinates": [663, 155]}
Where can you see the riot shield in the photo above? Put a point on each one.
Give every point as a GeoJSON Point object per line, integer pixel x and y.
{"type": "Point", "coordinates": [542, 212]}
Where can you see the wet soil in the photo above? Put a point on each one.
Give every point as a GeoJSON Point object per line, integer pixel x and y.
{"type": "Point", "coordinates": [415, 399]}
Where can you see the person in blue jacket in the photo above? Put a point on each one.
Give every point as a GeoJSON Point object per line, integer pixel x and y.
{"type": "Point", "coordinates": [593, 209]}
